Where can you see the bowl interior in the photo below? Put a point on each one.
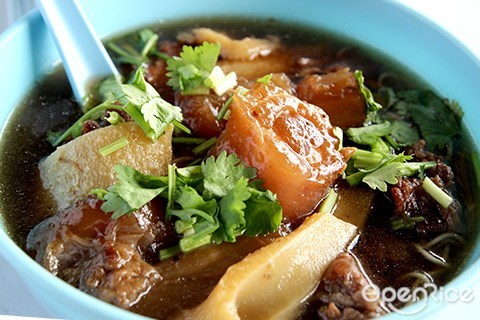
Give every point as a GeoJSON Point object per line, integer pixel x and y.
{"type": "Point", "coordinates": [424, 49]}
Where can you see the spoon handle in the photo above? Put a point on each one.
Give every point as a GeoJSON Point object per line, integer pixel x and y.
{"type": "Point", "coordinates": [84, 57]}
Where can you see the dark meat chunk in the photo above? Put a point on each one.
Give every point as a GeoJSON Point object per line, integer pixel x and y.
{"type": "Point", "coordinates": [341, 293]}
{"type": "Point", "coordinates": [442, 170]}
{"type": "Point", "coordinates": [411, 200]}
{"type": "Point", "coordinates": [89, 125]}
{"type": "Point", "coordinates": [200, 113]}
{"type": "Point", "coordinates": [99, 255]}
{"type": "Point", "coordinates": [337, 93]}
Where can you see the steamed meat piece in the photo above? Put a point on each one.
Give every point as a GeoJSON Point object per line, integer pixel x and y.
{"type": "Point", "coordinates": [232, 49]}
{"type": "Point", "coordinates": [290, 142]}
{"type": "Point", "coordinates": [338, 94]}
{"type": "Point", "coordinates": [101, 256]}
{"type": "Point", "coordinates": [341, 293]}
{"type": "Point", "coordinates": [200, 113]}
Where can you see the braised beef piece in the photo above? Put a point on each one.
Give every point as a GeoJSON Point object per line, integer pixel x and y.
{"type": "Point", "coordinates": [338, 94]}
{"type": "Point", "coordinates": [420, 153]}
{"type": "Point", "coordinates": [411, 200]}
{"type": "Point", "coordinates": [342, 292]}
{"type": "Point", "coordinates": [102, 256]}
{"type": "Point", "coordinates": [200, 113]}
{"type": "Point", "coordinates": [89, 125]}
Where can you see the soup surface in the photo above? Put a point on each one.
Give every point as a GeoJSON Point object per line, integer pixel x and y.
{"type": "Point", "coordinates": [298, 88]}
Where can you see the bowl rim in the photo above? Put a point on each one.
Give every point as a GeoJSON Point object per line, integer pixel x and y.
{"type": "Point", "coordinates": [468, 275]}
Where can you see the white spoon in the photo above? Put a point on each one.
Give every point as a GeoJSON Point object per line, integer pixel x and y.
{"type": "Point", "coordinates": [84, 57]}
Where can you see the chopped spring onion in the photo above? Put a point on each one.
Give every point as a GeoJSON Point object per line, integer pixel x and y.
{"type": "Point", "coordinates": [265, 79]}
{"type": "Point", "coordinates": [94, 113]}
{"type": "Point", "coordinates": [437, 193]}
{"type": "Point", "coordinates": [114, 117]}
{"type": "Point", "coordinates": [405, 222]}
{"type": "Point", "coordinates": [172, 175]}
{"type": "Point", "coordinates": [114, 146]}
{"type": "Point", "coordinates": [329, 202]}
{"type": "Point", "coordinates": [187, 140]}
{"type": "Point", "coordinates": [225, 108]}
{"type": "Point", "coordinates": [201, 148]}
{"type": "Point", "coordinates": [169, 252]}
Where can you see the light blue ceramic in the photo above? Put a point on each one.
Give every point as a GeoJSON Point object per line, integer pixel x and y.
{"type": "Point", "coordinates": [73, 33]}
{"type": "Point", "coordinates": [27, 53]}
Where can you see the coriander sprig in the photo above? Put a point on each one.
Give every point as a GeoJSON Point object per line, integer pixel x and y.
{"type": "Point", "coordinates": [142, 103]}
{"type": "Point", "coordinates": [138, 52]}
{"type": "Point", "coordinates": [195, 71]}
{"type": "Point", "coordinates": [213, 202]}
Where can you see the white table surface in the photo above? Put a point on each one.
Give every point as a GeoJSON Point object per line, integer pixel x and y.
{"type": "Point", "coordinates": [459, 17]}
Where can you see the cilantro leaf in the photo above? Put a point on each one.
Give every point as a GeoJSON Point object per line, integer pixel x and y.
{"type": "Point", "coordinates": [139, 99]}
{"type": "Point", "coordinates": [372, 106]}
{"type": "Point", "coordinates": [188, 198]}
{"type": "Point", "coordinates": [136, 52]}
{"type": "Point", "coordinates": [213, 202]}
{"type": "Point", "coordinates": [232, 210]}
{"type": "Point", "coordinates": [222, 174]}
{"type": "Point", "coordinates": [263, 213]}
{"type": "Point", "coordinates": [377, 170]}
{"type": "Point", "coordinates": [132, 191]}
{"type": "Point", "coordinates": [395, 133]}
{"type": "Point", "coordinates": [146, 107]}
{"type": "Point", "coordinates": [195, 71]}
{"type": "Point", "coordinates": [389, 173]}
{"type": "Point", "coordinates": [189, 71]}
{"type": "Point", "coordinates": [438, 120]}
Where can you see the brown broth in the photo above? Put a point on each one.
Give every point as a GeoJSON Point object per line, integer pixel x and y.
{"type": "Point", "coordinates": [50, 107]}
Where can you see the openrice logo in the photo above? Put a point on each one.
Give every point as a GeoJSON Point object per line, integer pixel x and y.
{"type": "Point", "coordinates": [415, 296]}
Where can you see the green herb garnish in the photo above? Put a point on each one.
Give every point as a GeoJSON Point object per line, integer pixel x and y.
{"type": "Point", "coordinates": [195, 71]}
{"type": "Point", "coordinates": [379, 169]}
{"type": "Point", "coordinates": [265, 79]}
{"type": "Point", "coordinates": [385, 135]}
{"type": "Point", "coordinates": [438, 119]}
{"type": "Point", "coordinates": [372, 105]}
{"type": "Point", "coordinates": [140, 100]}
{"type": "Point", "coordinates": [143, 103]}
{"type": "Point", "coordinates": [189, 71]}
{"type": "Point", "coordinates": [405, 222]}
{"type": "Point", "coordinates": [436, 193]}
{"type": "Point", "coordinates": [137, 53]}
{"type": "Point", "coordinates": [216, 201]}
{"type": "Point", "coordinates": [114, 146]}
{"type": "Point", "coordinates": [75, 130]}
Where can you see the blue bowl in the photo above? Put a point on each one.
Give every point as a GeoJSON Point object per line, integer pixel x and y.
{"type": "Point", "coordinates": [419, 45]}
